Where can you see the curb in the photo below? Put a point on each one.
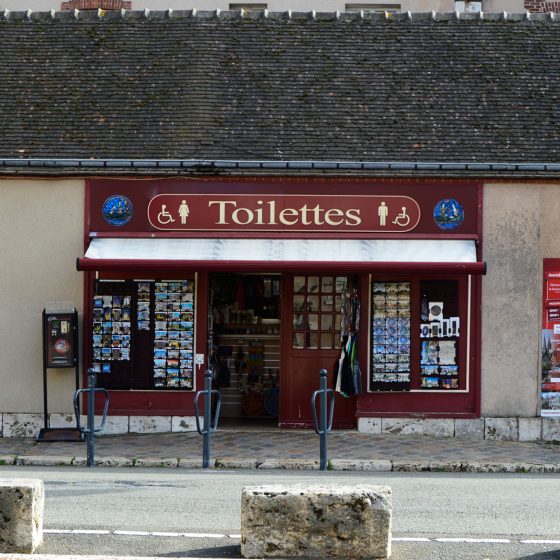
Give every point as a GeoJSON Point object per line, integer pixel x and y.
{"type": "Point", "coordinates": [347, 465]}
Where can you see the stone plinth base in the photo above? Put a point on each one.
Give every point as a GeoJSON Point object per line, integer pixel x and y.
{"type": "Point", "coordinates": [313, 521]}
{"type": "Point", "coordinates": [21, 515]}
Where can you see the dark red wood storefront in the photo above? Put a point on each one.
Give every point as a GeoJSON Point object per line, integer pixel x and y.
{"type": "Point", "coordinates": [314, 211]}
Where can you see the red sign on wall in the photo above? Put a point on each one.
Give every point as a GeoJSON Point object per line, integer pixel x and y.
{"type": "Point", "coordinates": [297, 213]}
{"type": "Point", "coordinates": [281, 207]}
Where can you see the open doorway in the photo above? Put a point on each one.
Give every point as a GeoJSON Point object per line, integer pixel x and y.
{"type": "Point", "coordinates": [244, 346]}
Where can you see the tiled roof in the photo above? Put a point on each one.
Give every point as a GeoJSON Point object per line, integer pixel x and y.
{"type": "Point", "coordinates": [405, 87]}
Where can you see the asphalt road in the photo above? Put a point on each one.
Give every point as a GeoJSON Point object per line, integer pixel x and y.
{"type": "Point", "coordinates": [157, 503]}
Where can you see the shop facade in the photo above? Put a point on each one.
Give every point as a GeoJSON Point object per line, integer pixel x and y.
{"type": "Point", "coordinates": [265, 282]}
{"type": "Point", "coordinates": [519, 234]}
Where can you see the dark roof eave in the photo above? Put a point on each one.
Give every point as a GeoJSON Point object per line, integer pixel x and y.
{"type": "Point", "coordinates": [85, 167]}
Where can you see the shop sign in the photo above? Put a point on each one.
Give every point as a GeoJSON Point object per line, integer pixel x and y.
{"type": "Point", "coordinates": [282, 207]}
{"type": "Point", "coordinates": [550, 359]}
{"type": "Point", "coordinates": [297, 213]}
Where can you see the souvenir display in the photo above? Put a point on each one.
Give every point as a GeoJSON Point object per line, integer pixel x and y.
{"type": "Point", "coordinates": [111, 329]}
{"type": "Point", "coordinates": [143, 294]}
{"type": "Point", "coordinates": [390, 336]}
{"type": "Point", "coordinates": [173, 340]}
{"type": "Point", "coordinates": [438, 350]}
{"type": "Point", "coordinates": [142, 334]}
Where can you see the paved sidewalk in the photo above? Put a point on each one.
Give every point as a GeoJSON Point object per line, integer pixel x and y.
{"type": "Point", "coordinates": [347, 450]}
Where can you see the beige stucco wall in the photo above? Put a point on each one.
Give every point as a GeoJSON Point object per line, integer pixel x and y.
{"type": "Point", "coordinates": [520, 229]}
{"type": "Point", "coordinates": [41, 234]}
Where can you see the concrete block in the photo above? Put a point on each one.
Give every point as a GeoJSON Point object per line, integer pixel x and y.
{"type": "Point", "coordinates": [22, 425]}
{"type": "Point", "coordinates": [369, 425]}
{"type": "Point", "coordinates": [114, 425]}
{"type": "Point", "coordinates": [439, 427]}
{"type": "Point", "coordinates": [21, 520]}
{"type": "Point", "coordinates": [44, 460]}
{"type": "Point", "coordinates": [405, 426]}
{"type": "Point", "coordinates": [104, 461]}
{"type": "Point", "coordinates": [189, 463]}
{"type": "Point", "coordinates": [530, 429]}
{"type": "Point", "coordinates": [361, 465]}
{"type": "Point", "coordinates": [149, 424]}
{"type": "Point", "coordinates": [288, 464]}
{"type": "Point", "coordinates": [62, 421]}
{"type": "Point", "coordinates": [236, 463]}
{"type": "Point", "coordinates": [316, 521]}
{"type": "Point", "coordinates": [501, 429]}
{"type": "Point", "coordinates": [183, 424]}
{"type": "Point", "coordinates": [418, 426]}
{"type": "Point", "coordinates": [169, 462]}
{"type": "Point", "coordinates": [469, 428]}
{"type": "Point", "coordinates": [551, 429]}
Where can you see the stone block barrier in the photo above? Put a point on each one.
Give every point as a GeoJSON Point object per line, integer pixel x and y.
{"type": "Point", "coordinates": [316, 521]}
{"type": "Point", "coordinates": [21, 515]}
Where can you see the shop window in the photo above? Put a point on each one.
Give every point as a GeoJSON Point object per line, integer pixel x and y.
{"type": "Point", "coordinates": [143, 334]}
{"type": "Point", "coordinates": [415, 335]}
{"type": "Point", "coordinates": [439, 334]}
{"type": "Point", "coordinates": [316, 317]}
{"type": "Point", "coordinates": [391, 335]}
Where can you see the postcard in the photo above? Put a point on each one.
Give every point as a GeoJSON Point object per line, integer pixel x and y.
{"type": "Point", "coordinates": [447, 352]}
{"type": "Point", "coordinates": [430, 382]}
{"type": "Point", "coordinates": [429, 355]}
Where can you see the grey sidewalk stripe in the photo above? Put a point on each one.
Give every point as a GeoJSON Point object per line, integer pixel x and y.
{"type": "Point", "coordinates": [99, 557]}
{"type": "Point", "coordinates": [471, 540]}
{"type": "Point", "coordinates": [539, 541]}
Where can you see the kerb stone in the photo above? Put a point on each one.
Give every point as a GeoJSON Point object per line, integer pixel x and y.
{"type": "Point", "coordinates": [21, 515]}
{"type": "Point", "coordinates": [316, 521]}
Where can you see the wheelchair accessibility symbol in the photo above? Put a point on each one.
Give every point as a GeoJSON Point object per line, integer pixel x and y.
{"type": "Point", "coordinates": [403, 219]}
{"type": "Point", "coordinates": [164, 217]}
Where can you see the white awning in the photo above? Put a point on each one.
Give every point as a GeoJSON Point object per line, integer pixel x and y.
{"type": "Point", "coordinates": [282, 255]}
{"type": "Point", "coordinates": [285, 250]}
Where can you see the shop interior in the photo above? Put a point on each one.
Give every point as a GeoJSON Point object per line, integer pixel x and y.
{"type": "Point", "coordinates": [244, 345]}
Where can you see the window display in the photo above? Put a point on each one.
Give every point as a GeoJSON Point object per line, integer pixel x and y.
{"type": "Point", "coordinates": [129, 318]}
{"type": "Point", "coordinates": [439, 333]}
{"type": "Point", "coordinates": [391, 336]}
{"type": "Point", "coordinates": [401, 361]}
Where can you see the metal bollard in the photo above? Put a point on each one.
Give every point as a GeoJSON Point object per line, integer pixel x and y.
{"type": "Point", "coordinates": [90, 431]}
{"type": "Point", "coordinates": [323, 425]}
{"type": "Point", "coordinates": [209, 427]}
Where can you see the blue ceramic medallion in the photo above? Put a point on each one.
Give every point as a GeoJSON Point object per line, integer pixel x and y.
{"type": "Point", "coordinates": [117, 210]}
{"type": "Point", "coordinates": [448, 214]}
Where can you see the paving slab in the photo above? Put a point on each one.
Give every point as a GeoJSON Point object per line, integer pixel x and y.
{"type": "Point", "coordinates": [285, 449]}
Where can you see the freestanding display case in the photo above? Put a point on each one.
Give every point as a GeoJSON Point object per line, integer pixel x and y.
{"type": "Point", "coordinates": [60, 351]}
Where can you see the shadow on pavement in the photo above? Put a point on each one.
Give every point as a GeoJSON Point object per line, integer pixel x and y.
{"type": "Point", "coordinates": [550, 555]}
{"type": "Point", "coordinates": [233, 551]}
